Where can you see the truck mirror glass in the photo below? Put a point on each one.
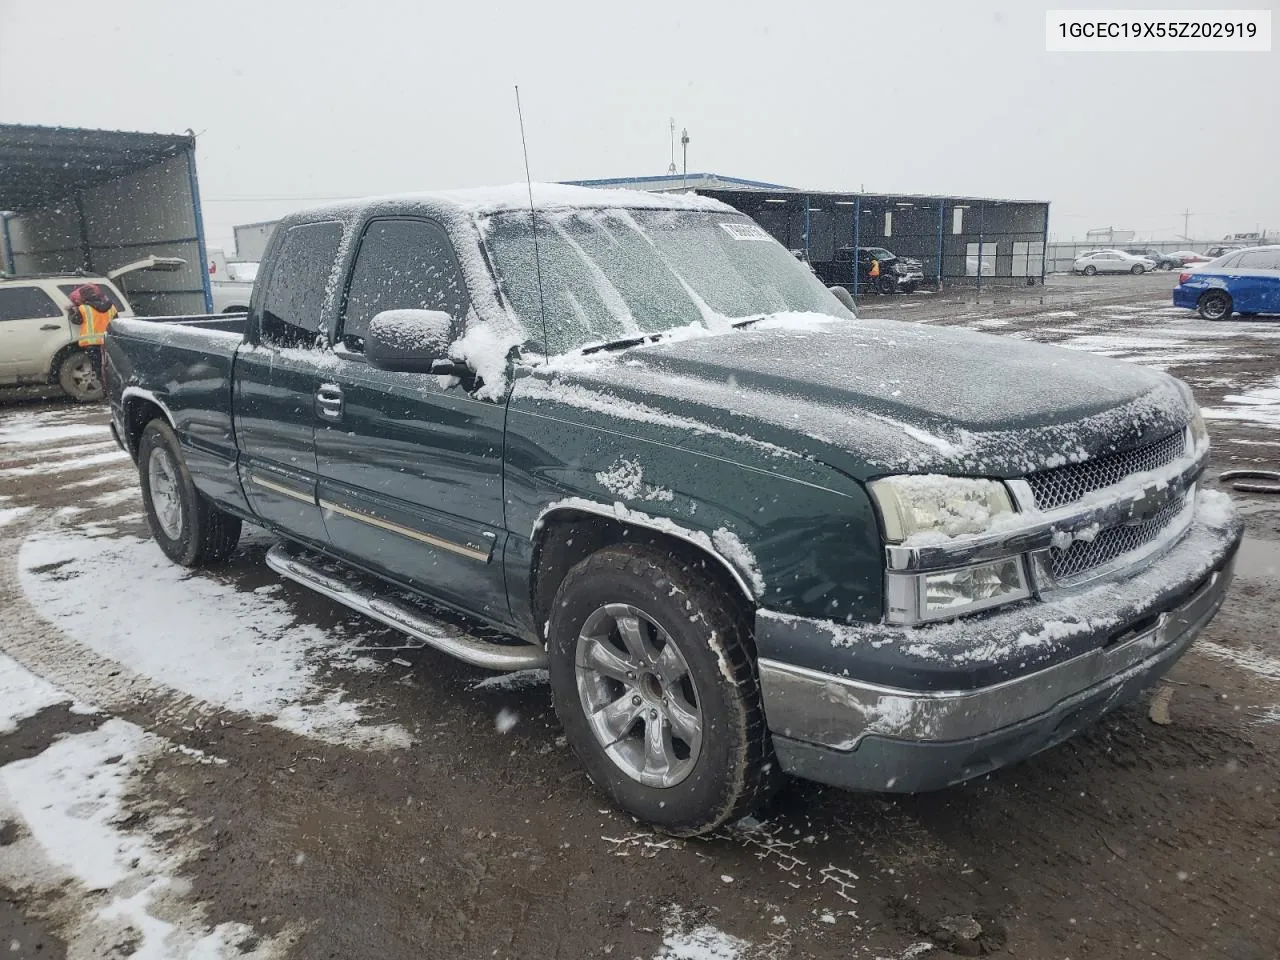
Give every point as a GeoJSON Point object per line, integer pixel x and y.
{"type": "Point", "coordinates": [410, 341]}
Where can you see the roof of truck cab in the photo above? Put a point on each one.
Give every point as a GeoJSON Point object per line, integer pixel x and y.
{"type": "Point", "coordinates": [483, 201]}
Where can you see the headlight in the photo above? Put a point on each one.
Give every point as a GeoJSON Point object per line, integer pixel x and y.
{"type": "Point", "coordinates": [1199, 431]}
{"type": "Point", "coordinates": [920, 510]}
{"type": "Point", "coordinates": [915, 506]}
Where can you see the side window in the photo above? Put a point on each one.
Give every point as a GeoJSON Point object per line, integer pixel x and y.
{"type": "Point", "coordinates": [1230, 262]}
{"type": "Point", "coordinates": [26, 303]}
{"type": "Point", "coordinates": [402, 264]}
{"type": "Point", "coordinates": [295, 293]}
{"type": "Point", "coordinates": [1258, 260]}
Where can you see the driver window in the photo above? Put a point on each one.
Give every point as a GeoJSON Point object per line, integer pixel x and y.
{"type": "Point", "coordinates": [402, 264]}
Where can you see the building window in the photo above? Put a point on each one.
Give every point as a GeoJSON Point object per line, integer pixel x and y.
{"type": "Point", "coordinates": [888, 223]}
{"type": "Point", "coordinates": [957, 219]}
{"type": "Point", "coordinates": [980, 258]}
{"type": "Point", "coordinates": [1028, 259]}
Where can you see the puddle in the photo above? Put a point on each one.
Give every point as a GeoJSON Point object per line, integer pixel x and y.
{"type": "Point", "coordinates": [1258, 560]}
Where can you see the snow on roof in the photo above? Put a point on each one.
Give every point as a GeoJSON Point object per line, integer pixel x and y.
{"type": "Point", "coordinates": [483, 201]}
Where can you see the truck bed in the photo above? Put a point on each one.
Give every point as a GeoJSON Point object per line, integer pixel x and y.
{"type": "Point", "coordinates": [183, 365]}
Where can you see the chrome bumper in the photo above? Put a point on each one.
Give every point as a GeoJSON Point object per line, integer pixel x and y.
{"type": "Point", "coordinates": [837, 713]}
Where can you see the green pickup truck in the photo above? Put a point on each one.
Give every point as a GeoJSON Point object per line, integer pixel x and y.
{"type": "Point", "coordinates": [636, 442]}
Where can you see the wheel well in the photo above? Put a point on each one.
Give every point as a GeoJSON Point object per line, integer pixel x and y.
{"type": "Point", "coordinates": [55, 365]}
{"type": "Point", "coordinates": [568, 537]}
{"type": "Point", "coordinates": [138, 412]}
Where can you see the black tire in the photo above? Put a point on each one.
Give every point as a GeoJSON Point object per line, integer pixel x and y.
{"type": "Point", "coordinates": [886, 285]}
{"type": "Point", "coordinates": [79, 378]}
{"type": "Point", "coordinates": [203, 535]}
{"type": "Point", "coordinates": [1137, 269]}
{"type": "Point", "coordinates": [734, 771]}
{"type": "Point", "coordinates": [1215, 305]}
{"type": "Point", "coordinates": [1090, 270]}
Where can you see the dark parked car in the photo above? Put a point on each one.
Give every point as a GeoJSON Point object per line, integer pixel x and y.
{"type": "Point", "coordinates": [895, 274]}
{"type": "Point", "coordinates": [746, 531]}
{"type": "Point", "coordinates": [1246, 282]}
{"type": "Point", "coordinates": [1163, 261]}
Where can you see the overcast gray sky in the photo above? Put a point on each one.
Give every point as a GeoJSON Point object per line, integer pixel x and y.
{"type": "Point", "coordinates": [298, 102]}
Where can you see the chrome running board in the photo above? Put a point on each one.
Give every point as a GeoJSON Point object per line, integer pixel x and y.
{"type": "Point", "coordinates": [478, 653]}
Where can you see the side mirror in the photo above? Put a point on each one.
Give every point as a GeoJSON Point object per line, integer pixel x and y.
{"type": "Point", "coordinates": [410, 341]}
{"type": "Point", "coordinates": [843, 295]}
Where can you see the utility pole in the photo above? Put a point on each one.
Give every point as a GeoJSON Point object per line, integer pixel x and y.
{"type": "Point", "coordinates": [1186, 221]}
{"type": "Point", "coordinates": [684, 147]}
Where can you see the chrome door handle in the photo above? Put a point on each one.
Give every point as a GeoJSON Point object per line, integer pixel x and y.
{"type": "Point", "coordinates": [51, 326]}
{"type": "Point", "coordinates": [329, 402]}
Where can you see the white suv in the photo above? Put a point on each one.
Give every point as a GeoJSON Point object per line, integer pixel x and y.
{"type": "Point", "coordinates": [38, 343]}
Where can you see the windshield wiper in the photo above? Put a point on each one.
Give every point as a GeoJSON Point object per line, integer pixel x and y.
{"type": "Point", "coordinates": [622, 343]}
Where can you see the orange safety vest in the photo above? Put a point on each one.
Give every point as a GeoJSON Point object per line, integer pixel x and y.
{"type": "Point", "coordinates": [875, 268]}
{"type": "Point", "coordinates": [93, 324]}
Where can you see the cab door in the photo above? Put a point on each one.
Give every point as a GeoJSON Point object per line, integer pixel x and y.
{"type": "Point", "coordinates": [277, 381]}
{"type": "Point", "coordinates": [1253, 280]}
{"type": "Point", "coordinates": [32, 329]}
{"type": "Point", "coordinates": [411, 467]}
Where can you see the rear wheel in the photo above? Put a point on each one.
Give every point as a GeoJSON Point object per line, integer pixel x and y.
{"type": "Point", "coordinates": [1090, 270]}
{"type": "Point", "coordinates": [78, 377]}
{"type": "Point", "coordinates": [1215, 305]}
{"type": "Point", "coordinates": [189, 529]}
{"type": "Point", "coordinates": [657, 690]}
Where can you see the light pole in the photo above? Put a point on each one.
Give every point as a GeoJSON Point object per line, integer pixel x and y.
{"type": "Point", "coordinates": [684, 149]}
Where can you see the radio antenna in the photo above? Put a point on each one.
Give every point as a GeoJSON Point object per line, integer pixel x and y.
{"type": "Point", "coordinates": [533, 223]}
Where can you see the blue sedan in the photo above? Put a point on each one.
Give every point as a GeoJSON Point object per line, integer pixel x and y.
{"type": "Point", "coordinates": [1246, 282]}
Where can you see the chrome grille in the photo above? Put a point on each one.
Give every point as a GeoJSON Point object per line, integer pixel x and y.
{"type": "Point", "coordinates": [1063, 485]}
{"type": "Point", "coordinates": [1082, 556]}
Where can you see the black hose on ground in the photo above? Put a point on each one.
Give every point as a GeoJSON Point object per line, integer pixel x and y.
{"type": "Point", "coordinates": [1270, 480]}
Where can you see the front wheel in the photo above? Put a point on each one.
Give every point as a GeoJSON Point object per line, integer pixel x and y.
{"type": "Point", "coordinates": [189, 529]}
{"type": "Point", "coordinates": [1138, 270]}
{"type": "Point", "coordinates": [78, 377]}
{"type": "Point", "coordinates": [1090, 270]}
{"type": "Point", "coordinates": [886, 285]}
{"type": "Point", "coordinates": [1215, 305]}
{"type": "Point", "coordinates": [652, 678]}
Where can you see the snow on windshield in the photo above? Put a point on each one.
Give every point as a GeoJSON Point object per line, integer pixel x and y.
{"type": "Point", "coordinates": [612, 273]}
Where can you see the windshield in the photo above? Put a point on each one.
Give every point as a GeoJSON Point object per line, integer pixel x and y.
{"type": "Point", "coordinates": [609, 274]}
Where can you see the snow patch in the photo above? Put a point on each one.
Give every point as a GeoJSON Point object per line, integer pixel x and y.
{"type": "Point", "coordinates": [23, 694]}
{"type": "Point", "coordinates": [625, 479]}
{"type": "Point", "coordinates": [201, 637]}
{"type": "Point", "coordinates": [70, 800]}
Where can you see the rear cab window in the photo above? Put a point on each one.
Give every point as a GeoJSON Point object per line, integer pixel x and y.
{"type": "Point", "coordinates": [27, 303]}
{"type": "Point", "coordinates": [295, 294]}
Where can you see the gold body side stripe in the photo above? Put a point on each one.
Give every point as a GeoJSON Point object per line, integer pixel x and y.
{"type": "Point", "coordinates": [458, 548]}
{"type": "Point", "coordinates": [283, 490]}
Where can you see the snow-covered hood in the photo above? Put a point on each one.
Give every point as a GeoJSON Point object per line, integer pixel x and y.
{"type": "Point", "coordinates": [871, 397]}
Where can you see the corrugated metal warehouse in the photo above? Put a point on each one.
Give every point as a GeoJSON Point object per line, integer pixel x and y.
{"type": "Point", "coordinates": [93, 200]}
{"type": "Point", "coordinates": [958, 240]}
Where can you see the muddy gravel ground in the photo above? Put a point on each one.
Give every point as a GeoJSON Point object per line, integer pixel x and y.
{"type": "Point", "coordinates": [226, 765]}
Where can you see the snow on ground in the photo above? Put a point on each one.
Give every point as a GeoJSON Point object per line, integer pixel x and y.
{"type": "Point", "coordinates": [110, 891]}
{"type": "Point", "coordinates": [684, 941]}
{"type": "Point", "coordinates": [37, 428]}
{"type": "Point", "coordinates": [23, 694]}
{"type": "Point", "coordinates": [516, 680]}
{"type": "Point", "coordinates": [201, 637]}
{"type": "Point", "coordinates": [1260, 405]}
{"type": "Point", "coordinates": [9, 514]}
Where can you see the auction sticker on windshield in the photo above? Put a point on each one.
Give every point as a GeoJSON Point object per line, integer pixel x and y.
{"type": "Point", "coordinates": [744, 231]}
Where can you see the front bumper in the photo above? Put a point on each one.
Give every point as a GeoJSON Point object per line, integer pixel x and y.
{"type": "Point", "coordinates": [870, 736]}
